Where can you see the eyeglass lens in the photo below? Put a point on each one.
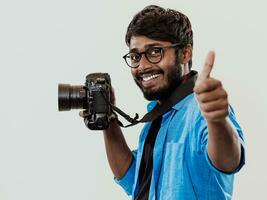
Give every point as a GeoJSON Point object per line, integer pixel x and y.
{"type": "Point", "coordinates": [152, 54]}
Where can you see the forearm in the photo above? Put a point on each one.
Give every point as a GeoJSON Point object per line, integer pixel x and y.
{"type": "Point", "coordinates": [224, 148]}
{"type": "Point", "coordinates": [118, 153]}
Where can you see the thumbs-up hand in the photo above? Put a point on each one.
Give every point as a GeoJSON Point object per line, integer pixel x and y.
{"type": "Point", "coordinates": [210, 94]}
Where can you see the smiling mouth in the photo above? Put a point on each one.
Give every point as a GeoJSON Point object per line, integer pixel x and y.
{"type": "Point", "coordinates": [148, 77]}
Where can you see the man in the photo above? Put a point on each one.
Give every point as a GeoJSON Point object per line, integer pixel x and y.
{"type": "Point", "coordinates": [193, 150]}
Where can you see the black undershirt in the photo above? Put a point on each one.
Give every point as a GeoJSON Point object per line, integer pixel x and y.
{"type": "Point", "coordinates": [145, 171]}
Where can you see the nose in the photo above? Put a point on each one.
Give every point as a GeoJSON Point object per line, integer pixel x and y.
{"type": "Point", "coordinates": [144, 63]}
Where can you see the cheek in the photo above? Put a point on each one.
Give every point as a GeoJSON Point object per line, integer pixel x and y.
{"type": "Point", "coordinates": [168, 63]}
{"type": "Point", "coordinates": [168, 67]}
{"type": "Point", "coordinates": [134, 72]}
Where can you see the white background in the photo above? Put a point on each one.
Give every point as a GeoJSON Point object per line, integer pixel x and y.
{"type": "Point", "coordinates": [46, 154]}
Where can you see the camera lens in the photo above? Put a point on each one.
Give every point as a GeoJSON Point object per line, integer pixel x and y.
{"type": "Point", "coordinates": [71, 97]}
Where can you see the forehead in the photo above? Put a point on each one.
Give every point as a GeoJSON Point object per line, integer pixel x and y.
{"type": "Point", "coordinates": [143, 42]}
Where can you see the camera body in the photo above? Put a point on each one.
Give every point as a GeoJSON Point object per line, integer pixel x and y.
{"type": "Point", "coordinates": [94, 97]}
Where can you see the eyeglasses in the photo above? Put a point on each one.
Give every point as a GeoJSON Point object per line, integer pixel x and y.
{"type": "Point", "coordinates": [153, 54]}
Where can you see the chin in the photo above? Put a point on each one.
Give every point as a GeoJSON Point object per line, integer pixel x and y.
{"type": "Point", "coordinates": [162, 93]}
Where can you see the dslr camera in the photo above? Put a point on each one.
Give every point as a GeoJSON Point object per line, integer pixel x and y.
{"type": "Point", "coordinates": [94, 97]}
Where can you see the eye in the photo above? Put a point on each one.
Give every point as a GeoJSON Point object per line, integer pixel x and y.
{"type": "Point", "coordinates": [134, 57]}
{"type": "Point", "coordinates": [154, 51]}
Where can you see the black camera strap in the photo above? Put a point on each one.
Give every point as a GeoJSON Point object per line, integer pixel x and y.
{"type": "Point", "coordinates": [183, 90]}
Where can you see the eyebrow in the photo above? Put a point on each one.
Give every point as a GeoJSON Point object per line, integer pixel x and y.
{"type": "Point", "coordinates": [156, 44]}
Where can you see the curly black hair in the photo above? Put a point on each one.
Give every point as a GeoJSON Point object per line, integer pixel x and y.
{"type": "Point", "coordinates": [161, 24]}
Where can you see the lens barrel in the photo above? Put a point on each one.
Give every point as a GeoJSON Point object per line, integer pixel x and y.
{"type": "Point", "coordinates": [71, 97]}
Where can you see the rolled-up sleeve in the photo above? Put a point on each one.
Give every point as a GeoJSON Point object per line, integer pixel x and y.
{"type": "Point", "coordinates": [127, 181]}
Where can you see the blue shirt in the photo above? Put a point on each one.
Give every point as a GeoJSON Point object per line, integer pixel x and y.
{"type": "Point", "coordinates": [181, 166]}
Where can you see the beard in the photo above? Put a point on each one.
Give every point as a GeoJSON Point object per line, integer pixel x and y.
{"type": "Point", "coordinates": [174, 77]}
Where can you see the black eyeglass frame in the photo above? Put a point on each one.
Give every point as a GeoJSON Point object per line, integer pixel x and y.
{"type": "Point", "coordinates": [147, 57]}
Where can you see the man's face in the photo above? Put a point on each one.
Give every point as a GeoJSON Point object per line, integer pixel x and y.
{"type": "Point", "coordinates": [156, 81]}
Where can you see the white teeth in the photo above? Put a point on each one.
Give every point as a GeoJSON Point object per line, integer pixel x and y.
{"type": "Point", "coordinates": [150, 77]}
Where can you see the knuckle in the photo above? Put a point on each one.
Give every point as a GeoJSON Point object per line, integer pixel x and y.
{"type": "Point", "coordinates": [199, 98]}
{"type": "Point", "coordinates": [219, 83]}
{"type": "Point", "coordinates": [196, 89]}
{"type": "Point", "coordinates": [225, 95]}
{"type": "Point", "coordinates": [225, 103]}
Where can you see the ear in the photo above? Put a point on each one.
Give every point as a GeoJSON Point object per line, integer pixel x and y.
{"type": "Point", "coordinates": [186, 54]}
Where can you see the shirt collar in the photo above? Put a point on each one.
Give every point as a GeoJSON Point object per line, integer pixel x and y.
{"type": "Point", "coordinates": [177, 106]}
